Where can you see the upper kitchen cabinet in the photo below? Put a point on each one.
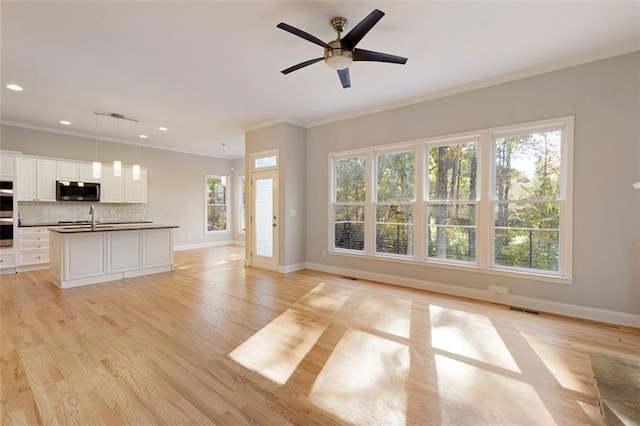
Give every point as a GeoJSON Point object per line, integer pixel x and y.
{"type": "Point", "coordinates": [85, 173]}
{"type": "Point", "coordinates": [67, 170]}
{"type": "Point", "coordinates": [8, 163]}
{"type": "Point", "coordinates": [135, 191]}
{"type": "Point", "coordinates": [112, 187]}
{"type": "Point", "coordinates": [36, 179]}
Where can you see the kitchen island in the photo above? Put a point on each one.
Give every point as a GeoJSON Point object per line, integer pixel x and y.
{"type": "Point", "coordinates": [82, 255]}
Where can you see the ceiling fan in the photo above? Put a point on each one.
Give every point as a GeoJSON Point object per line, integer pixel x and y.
{"type": "Point", "coordinates": [339, 53]}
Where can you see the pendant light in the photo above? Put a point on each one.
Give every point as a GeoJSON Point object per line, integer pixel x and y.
{"type": "Point", "coordinates": [223, 179]}
{"type": "Point", "coordinates": [97, 167]}
{"type": "Point", "coordinates": [117, 165]}
{"type": "Point", "coordinates": [135, 172]}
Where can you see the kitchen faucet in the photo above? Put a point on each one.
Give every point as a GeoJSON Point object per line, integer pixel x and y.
{"type": "Point", "coordinates": [92, 212]}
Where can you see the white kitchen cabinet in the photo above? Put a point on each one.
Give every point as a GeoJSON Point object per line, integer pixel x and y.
{"type": "Point", "coordinates": [85, 173]}
{"type": "Point", "coordinates": [135, 191]}
{"type": "Point", "coordinates": [33, 248]}
{"type": "Point", "coordinates": [8, 163]}
{"type": "Point", "coordinates": [158, 248]}
{"type": "Point", "coordinates": [36, 179]}
{"type": "Point", "coordinates": [125, 250]}
{"type": "Point", "coordinates": [67, 170]}
{"type": "Point", "coordinates": [7, 261]}
{"type": "Point", "coordinates": [84, 256]}
{"type": "Point", "coordinates": [112, 187]}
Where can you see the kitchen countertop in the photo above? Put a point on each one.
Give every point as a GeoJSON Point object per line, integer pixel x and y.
{"type": "Point", "coordinates": [104, 227]}
{"type": "Point", "coordinates": [80, 223]}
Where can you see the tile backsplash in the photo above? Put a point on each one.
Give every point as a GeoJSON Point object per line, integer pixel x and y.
{"type": "Point", "coordinates": [32, 213]}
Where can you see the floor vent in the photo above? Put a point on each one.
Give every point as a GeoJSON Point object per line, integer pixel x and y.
{"type": "Point", "coordinates": [350, 278]}
{"type": "Point", "coordinates": [527, 311]}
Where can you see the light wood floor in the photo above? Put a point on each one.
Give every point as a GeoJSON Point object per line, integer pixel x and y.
{"type": "Point", "coordinates": [216, 343]}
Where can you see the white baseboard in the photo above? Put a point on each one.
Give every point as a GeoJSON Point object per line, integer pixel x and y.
{"type": "Point", "coordinates": [238, 243]}
{"type": "Point", "coordinates": [291, 268]}
{"type": "Point", "coordinates": [202, 245]}
{"type": "Point", "coordinates": [575, 311]}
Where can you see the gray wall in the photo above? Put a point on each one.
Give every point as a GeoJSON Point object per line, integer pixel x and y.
{"type": "Point", "coordinates": [604, 96]}
{"type": "Point", "coordinates": [290, 141]}
{"type": "Point", "coordinates": [175, 180]}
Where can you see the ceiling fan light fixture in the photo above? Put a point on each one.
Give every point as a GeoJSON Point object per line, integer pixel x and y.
{"type": "Point", "coordinates": [338, 59]}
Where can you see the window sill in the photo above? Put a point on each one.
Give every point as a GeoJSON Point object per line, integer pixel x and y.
{"type": "Point", "coordinates": [555, 279]}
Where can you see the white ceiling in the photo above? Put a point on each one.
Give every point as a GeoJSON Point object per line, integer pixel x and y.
{"type": "Point", "coordinates": [210, 70]}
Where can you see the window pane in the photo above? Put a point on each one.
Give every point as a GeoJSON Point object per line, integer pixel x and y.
{"type": "Point", "coordinates": [216, 192]}
{"type": "Point", "coordinates": [349, 227]}
{"type": "Point", "coordinates": [451, 231]}
{"type": "Point", "coordinates": [526, 235]}
{"type": "Point", "coordinates": [350, 174]}
{"type": "Point", "coordinates": [528, 166]}
{"type": "Point", "coordinates": [394, 229]}
{"type": "Point", "coordinates": [527, 248]}
{"type": "Point", "coordinates": [216, 218]}
{"type": "Point", "coordinates": [396, 176]}
{"type": "Point", "coordinates": [453, 172]}
{"type": "Point", "coordinates": [265, 162]}
{"type": "Point", "coordinates": [528, 215]}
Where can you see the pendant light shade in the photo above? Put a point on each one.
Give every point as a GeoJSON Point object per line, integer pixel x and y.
{"type": "Point", "coordinates": [135, 172]}
{"type": "Point", "coordinates": [117, 168]}
{"type": "Point", "coordinates": [97, 170]}
{"type": "Point", "coordinates": [96, 164]}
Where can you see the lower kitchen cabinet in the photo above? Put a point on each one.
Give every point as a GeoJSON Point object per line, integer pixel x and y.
{"type": "Point", "coordinates": [33, 248]}
{"type": "Point", "coordinates": [7, 261]}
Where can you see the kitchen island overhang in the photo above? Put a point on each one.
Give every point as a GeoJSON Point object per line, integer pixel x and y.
{"type": "Point", "coordinates": [83, 255]}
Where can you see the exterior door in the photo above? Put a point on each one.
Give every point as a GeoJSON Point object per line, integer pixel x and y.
{"type": "Point", "coordinates": [264, 249]}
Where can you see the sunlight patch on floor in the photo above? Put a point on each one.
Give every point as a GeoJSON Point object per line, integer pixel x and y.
{"type": "Point", "coordinates": [564, 366]}
{"type": "Point", "coordinates": [325, 298]}
{"type": "Point", "coordinates": [469, 335]}
{"type": "Point", "coordinates": [391, 315]}
{"type": "Point", "coordinates": [276, 350]}
{"type": "Point", "coordinates": [364, 380]}
{"type": "Point", "coordinates": [471, 395]}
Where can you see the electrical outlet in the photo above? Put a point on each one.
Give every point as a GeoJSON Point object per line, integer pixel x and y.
{"type": "Point", "coordinates": [498, 291]}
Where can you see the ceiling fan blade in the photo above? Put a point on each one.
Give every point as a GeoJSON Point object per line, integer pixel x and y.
{"type": "Point", "coordinates": [359, 31]}
{"type": "Point", "coordinates": [301, 65]}
{"type": "Point", "coordinates": [304, 35]}
{"type": "Point", "coordinates": [368, 55]}
{"type": "Point", "coordinates": [344, 78]}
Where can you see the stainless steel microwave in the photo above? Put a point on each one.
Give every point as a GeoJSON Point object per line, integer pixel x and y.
{"type": "Point", "coordinates": [77, 191]}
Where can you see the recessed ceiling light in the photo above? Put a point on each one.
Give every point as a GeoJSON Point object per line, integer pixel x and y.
{"type": "Point", "coordinates": [162, 129]}
{"type": "Point", "coordinates": [65, 122]}
{"type": "Point", "coordinates": [142, 136]}
{"type": "Point", "coordinates": [14, 87]}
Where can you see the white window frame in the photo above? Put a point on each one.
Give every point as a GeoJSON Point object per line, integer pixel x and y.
{"type": "Point", "coordinates": [485, 202]}
{"type": "Point", "coordinates": [374, 198]}
{"type": "Point", "coordinates": [332, 201]}
{"type": "Point", "coordinates": [261, 155]}
{"type": "Point", "coordinates": [206, 204]}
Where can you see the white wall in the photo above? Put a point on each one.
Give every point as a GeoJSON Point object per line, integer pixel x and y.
{"type": "Point", "coordinates": [604, 96]}
{"type": "Point", "coordinates": [175, 180]}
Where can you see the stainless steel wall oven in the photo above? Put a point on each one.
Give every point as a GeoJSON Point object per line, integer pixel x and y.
{"type": "Point", "coordinates": [6, 213]}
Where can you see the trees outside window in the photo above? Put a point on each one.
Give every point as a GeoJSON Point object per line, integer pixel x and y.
{"type": "Point", "coordinates": [349, 198]}
{"type": "Point", "coordinates": [216, 203]}
{"type": "Point", "coordinates": [395, 193]}
{"type": "Point", "coordinates": [452, 201]}
{"type": "Point", "coordinates": [527, 192]}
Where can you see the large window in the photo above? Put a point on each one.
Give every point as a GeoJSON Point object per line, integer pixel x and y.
{"type": "Point", "coordinates": [216, 203]}
{"type": "Point", "coordinates": [497, 199]}
{"type": "Point", "coordinates": [349, 198]}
